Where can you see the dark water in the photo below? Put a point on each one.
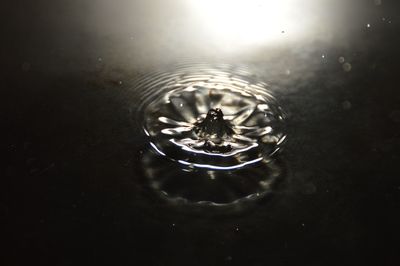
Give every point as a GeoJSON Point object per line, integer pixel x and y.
{"type": "Point", "coordinates": [74, 186]}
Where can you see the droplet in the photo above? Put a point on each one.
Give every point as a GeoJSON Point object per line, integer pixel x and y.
{"type": "Point", "coordinates": [323, 55]}
{"type": "Point", "coordinates": [368, 25]}
{"type": "Point", "coordinates": [341, 59]}
{"type": "Point", "coordinates": [346, 105]}
{"type": "Point", "coordinates": [100, 59]}
{"type": "Point", "coordinates": [347, 67]}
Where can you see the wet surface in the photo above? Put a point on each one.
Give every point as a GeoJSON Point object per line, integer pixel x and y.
{"type": "Point", "coordinates": [74, 189]}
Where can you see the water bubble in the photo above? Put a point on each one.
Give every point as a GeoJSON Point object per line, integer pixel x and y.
{"type": "Point", "coordinates": [215, 126]}
{"type": "Point", "coordinates": [346, 67]}
{"type": "Point", "coordinates": [26, 66]}
{"type": "Point", "coordinates": [346, 105]}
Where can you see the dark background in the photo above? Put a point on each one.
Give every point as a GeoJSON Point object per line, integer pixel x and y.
{"type": "Point", "coordinates": [72, 189]}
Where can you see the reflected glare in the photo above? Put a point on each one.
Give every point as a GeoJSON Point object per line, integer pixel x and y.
{"type": "Point", "coordinates": [245, 22]}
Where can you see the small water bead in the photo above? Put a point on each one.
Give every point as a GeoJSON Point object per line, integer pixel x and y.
{"type": "Point", "coordinates": [346, 105]}
{"type": "Point", "coordinates": [347, 67]}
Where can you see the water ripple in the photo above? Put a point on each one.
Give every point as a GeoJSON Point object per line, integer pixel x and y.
{"type": "Point", "coordinates": [212, 123]}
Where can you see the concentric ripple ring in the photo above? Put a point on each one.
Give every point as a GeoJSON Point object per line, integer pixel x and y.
{"type": "Point", "coordinates": [209, 122]}
{"type": "Point", "coordinates": [177, 117]}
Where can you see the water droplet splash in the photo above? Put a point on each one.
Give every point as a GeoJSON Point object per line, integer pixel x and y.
{"type": "Point", "coordinates": [214, 120]}
{"type": "Point", "coordinates": [215, 123]}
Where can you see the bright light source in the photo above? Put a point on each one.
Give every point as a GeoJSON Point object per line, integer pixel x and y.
{"type": "Point", "coordinates": [243, 22]}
